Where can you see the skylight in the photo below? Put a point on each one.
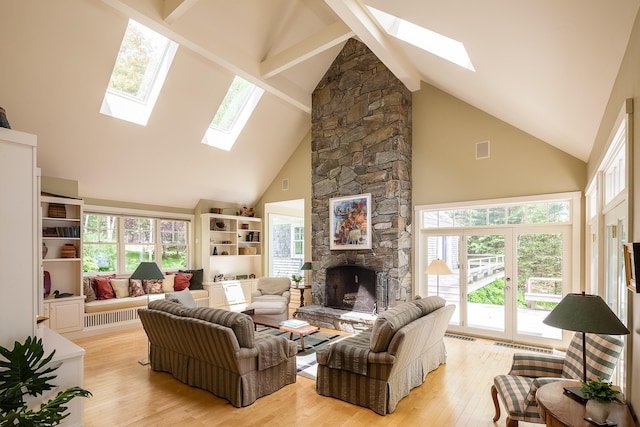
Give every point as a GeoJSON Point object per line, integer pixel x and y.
{"type": "Point", "coordinates": [232, 115]}
{"type": "Point", "coordinates": [437, 44]}
{"type": "Point", "coordinates": [138, 74]}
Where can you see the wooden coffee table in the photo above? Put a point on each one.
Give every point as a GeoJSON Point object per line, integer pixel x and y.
{"type": "Point", "coordinates": [268, 321]}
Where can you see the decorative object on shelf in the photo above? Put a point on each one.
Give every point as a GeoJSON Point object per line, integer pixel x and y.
{"type": "Point", "coordinates": [350, 223]}
{"type": "Point", "coordinates": [245, 211]}
{"type": "Point", "coordinates": [224, 253]}
{"type": "Point", "coordinates": [45, 250]}
{"type": "Point", "coordinates": [215, 250]}
{"type": "Point", "coordinates": [244, 226]}
{"type": "Point", "coordinates": [587, 314]}
{"type": "Point", "coordinates": [3, 119]}
{"type": "Point", "coordinates": [247, 251]}
{"type": "Point", "coordinates": [46, 282]}
{"type": "Point", "coordinates": [218, 278]}
{"type": "Point", "coordinates": [252, 276]}
{"type": "Point", "coordinates": [57, 210]}
{"type": "Point", "coordinates": [241, 277]}
{"type": "Point", "coordinates": [26, 371]}
{"type": "Point", "coordinates": [250, 236]}
{"type": "Point", "coordinates": [600, 395]}
{"type": "Point", "coordinates": [215, 210]}
{"type": "Point", "coordinates": [220, 226]}
{"type": "Point", "coordinates": [57, 294]}
{"type": "Point", "coordinates": [68, 251]}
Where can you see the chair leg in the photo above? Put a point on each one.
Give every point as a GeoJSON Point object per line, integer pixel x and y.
{"type": "Point", "coordinates": [512, 423]}
{"type": "Point", "coordinates": [494, 396]}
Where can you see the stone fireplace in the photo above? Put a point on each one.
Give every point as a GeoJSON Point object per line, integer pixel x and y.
{"type": "Point", "coordinates": [361, 143]}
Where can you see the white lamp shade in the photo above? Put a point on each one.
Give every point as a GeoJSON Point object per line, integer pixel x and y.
{"type": "Point", "coordinates": [438, 267]}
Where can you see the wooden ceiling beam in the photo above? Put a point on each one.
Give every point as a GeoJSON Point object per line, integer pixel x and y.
{"type": "Point", "coordinates": [355, 15]}
{"type": "Point", "coordinates": [327, 38]}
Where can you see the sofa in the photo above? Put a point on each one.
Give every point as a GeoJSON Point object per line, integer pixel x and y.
{"type": "Point", "coordinates": [217, 350]}
{"type": "Point", "coordinates": [379, 366]}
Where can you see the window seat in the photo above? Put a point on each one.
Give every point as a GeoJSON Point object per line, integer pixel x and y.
{"type": "Point", "coordinates": [129, 302]}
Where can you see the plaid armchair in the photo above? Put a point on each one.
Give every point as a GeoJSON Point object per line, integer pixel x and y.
{"type": "Point", "coordinates": [529, 372]}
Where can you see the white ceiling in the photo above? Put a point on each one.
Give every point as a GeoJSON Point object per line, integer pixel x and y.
{"type": "Point", "coordinates": [544, 66]}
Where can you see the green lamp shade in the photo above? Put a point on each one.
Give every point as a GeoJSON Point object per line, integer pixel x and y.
{"type": "Point", "coordinates": [147, 271]}
{"type": "Point", "coordinates": [306, 266]}
{"type": "Point", "coordinates": [585, 313]}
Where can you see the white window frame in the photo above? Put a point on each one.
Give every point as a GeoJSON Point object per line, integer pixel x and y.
{"type": "Point", "coordinates": [121, 213]}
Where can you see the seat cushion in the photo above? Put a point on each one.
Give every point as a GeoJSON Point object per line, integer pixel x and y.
{"type": "Point", "coordinates": [265, 305]}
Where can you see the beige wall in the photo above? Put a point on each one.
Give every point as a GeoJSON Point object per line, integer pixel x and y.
{"type": "Point", "coordinates": [298, 171]}
{"type": "Point", "coordinates": [445, 133]}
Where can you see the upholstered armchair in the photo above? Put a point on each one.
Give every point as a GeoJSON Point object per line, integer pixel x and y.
{"type": "Point", "coordinates": [272, 297]}
{"type": "Point", "coordinates": [529, 372]}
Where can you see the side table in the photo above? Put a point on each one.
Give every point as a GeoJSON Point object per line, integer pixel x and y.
{"type": "Point", "coordinates": [560, 410]}
{"type": "Point", "coordinates": [302, 289]}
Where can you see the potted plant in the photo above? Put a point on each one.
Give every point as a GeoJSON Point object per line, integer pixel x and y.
{"type": "Point", "coordinates": [25, 371]}
{"type": "Point", "coordinates": [297, 279]}
{"type": "Point", "coordinates": [600, 395]}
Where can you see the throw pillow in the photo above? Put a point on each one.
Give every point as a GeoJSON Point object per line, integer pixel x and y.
{"type": "Point", "coordinates": [184, 297]}
{"type": "Point", "coordinates": [196, 278]}
{"type": "Point", "coordinates": [120, 287]}
{"type": "Point", "coordinates": [181, 281]}
{"type": "Point", "coordinates": [135, 288]}
{"type": "Point", "coordinates": [87, 289]}
{"type": "Point", "coordinates": [152, 286]}
{"type": "Point", "coordinates": [167, 283]}
{"type": "Point", "coordinates": [103, 288]}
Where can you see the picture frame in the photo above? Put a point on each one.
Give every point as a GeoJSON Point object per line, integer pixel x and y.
{"type": "Point", "coordinates": [632, 264]}
{"type": "Point", "coordinates": [350, 222]}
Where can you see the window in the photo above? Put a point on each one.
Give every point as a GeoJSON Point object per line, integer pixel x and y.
{"type": "Point", "coordinates": [546, 212]}
{"type": "Point", "coordinates": [138, 74]}
{"type": "Point", "coordinates": [173, 238]}
{"type": "Point", "coordinates": [100, 243]}
{"type": "Point", "coordinates": [232, 115]}
{"type": "Point", "coordinates": [430, 41]}
{"type": "Point", "coordinates": [298, 242]}
{"type": "Point", "coordinates": [118, 243]}
{"type": "Point", "coordinates": [138, 238]}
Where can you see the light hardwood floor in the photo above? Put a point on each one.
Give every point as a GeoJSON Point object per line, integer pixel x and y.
{"type": "Point", "coordinates": [126, 393]}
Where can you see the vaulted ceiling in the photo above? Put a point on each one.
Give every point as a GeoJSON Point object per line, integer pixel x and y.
{"type": "Point", "coordinates": [544, 66]}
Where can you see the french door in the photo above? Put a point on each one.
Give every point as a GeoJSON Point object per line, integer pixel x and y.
{"type": "Point", "coordinates": [504, 281]}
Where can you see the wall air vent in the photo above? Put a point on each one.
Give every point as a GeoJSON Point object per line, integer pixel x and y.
{"type": "Point", "coordinates": [482, 150]}
{"type": "Point", "coordinates": [285, 184]}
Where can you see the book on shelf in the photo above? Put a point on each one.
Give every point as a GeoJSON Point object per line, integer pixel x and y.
{"type": "Point", "coordinates": [294, 323]}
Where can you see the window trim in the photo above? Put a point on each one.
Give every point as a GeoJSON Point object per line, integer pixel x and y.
{"type": "Point", "coordinates": [155, 215]}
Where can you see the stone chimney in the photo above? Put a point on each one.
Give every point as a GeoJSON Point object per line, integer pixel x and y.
{"type": "Point", "coordinates": [361, 143]}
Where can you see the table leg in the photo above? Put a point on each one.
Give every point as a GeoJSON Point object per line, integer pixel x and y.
{"type": "Point", "coordinates": [302, 341]}
{"type": "Point", "coordinates": [302, 297]}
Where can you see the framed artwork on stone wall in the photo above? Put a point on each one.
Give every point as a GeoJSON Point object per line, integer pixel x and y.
{"type": "Point", "coordinates": [350, 222]}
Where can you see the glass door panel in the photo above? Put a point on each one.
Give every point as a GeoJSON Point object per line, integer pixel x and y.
{"type": "Point", "coordinates": [486, 282]}
{"type": "Point", "coordinates": [447, 286]}
{"type": "Point", "coordinates": [540, 262]}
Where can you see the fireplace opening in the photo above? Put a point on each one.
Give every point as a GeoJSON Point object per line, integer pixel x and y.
{"type": "Point", "coordinates": [355, 288]}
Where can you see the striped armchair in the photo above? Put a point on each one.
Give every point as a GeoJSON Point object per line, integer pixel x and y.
{"type": "Point", "coordinates": [529, 372]}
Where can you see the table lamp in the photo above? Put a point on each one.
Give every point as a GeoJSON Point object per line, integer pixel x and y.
{"type": "Point", "coordinates": [587, 314]}
{"type": "Point", "coordinates": [148, 271]}
{"type": "Point", "coordinates": [438, 268]}
{"type": "Point", "coordinates": [306, 267]}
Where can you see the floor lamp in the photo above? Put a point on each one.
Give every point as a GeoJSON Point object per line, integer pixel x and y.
{"type": "Point", "coordinates": [587, 314]}
{"type": "Point", "coordinates": [148, 271]}
{"type": "Point", "coordinates": [438, 268]}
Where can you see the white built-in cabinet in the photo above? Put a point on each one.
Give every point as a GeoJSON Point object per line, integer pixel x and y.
{"type": "Point", "coordinates": [19, 301]}
{"type": "Point", "coordinates": [62, 238]}
{"type": "Point", "coordinates": [232, 249]}
{"type": "Point", "coordinates": [20, 267]}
